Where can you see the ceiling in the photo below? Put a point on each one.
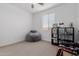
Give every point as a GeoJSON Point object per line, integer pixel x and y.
{"type": "Point", "coordinates": [37, 7]}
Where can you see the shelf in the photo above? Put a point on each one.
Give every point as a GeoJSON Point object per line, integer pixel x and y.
{"type": "Point", "coordinates": [65, 40]}
{"type": "Point", "coordinates": [54, 37]}
{"type": "Point", "coordinates": [63, 34]}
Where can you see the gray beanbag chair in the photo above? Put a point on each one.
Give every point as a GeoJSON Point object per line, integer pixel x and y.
{"type": "Point", "coordinates": [33, 36]}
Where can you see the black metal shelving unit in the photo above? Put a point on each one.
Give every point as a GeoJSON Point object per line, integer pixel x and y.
{"type": "Point", "coordinates": [62, 35]}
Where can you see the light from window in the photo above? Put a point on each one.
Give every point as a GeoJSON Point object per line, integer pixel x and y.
{"type": "Point", "coordinates": [45, 21]}
{"type": "Point", "coordinates": [48, 20]}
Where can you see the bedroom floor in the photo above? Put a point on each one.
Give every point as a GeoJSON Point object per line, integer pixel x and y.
{"type": "Point", "coordinates": [41, 48]}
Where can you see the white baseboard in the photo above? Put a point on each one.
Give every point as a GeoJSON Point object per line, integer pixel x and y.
{"type": "Point", "coordinates": [10, 43]}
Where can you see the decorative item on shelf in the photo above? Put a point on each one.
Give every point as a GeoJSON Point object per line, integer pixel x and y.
{"type": "Point", "coordinates": [55, 25]}
{"type": "Point", "coordinates": [61, 24]}
{"type": "Point", "coordinates": [71, 24]}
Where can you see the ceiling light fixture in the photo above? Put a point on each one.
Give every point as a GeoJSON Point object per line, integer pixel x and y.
{"type": "Point", "coordinates": [37, 3]}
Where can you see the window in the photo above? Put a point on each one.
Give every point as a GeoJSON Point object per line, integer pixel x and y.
{"type": "Point", "coordinates": [45, 21]}
{"type": "Point", "coordinates": [51, 20]}
{"type": "Point", "coordinates": [48, 20]}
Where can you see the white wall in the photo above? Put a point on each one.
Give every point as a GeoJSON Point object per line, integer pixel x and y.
{"type": "Point", "coordinates": [64, 13]}
{"type": "Point", "coordinates": [77, 26]}
{"type": "Point", "coordinates": [14, 24]}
